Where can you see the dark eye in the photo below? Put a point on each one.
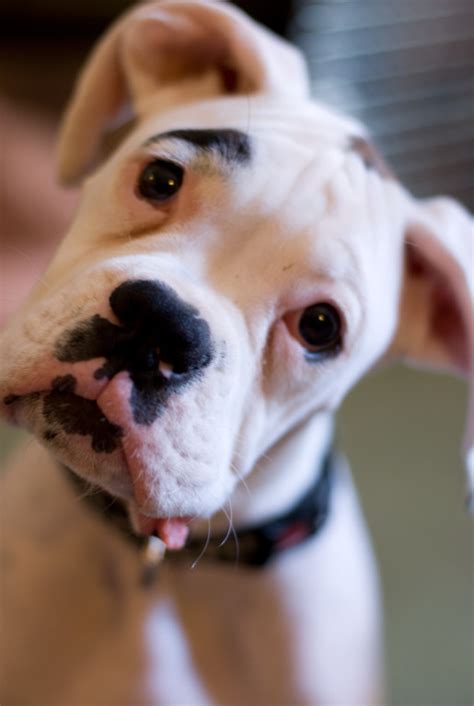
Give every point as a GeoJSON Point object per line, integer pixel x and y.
{"type": "Point", "coordinates": [160, 180]}
{"type": "Point", "coordinates": [318, 329]}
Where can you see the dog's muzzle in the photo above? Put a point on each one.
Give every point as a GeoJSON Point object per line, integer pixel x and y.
{"type": "Point", "coordinates": [160, 342]}
{"type": "Point", "coordinates": [119, 398]}
{"type": "Point", "coordinates": [113, 372]}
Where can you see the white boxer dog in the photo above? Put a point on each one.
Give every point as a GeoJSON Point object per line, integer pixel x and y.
{"type": "Point", "coordinates": [239, 259]}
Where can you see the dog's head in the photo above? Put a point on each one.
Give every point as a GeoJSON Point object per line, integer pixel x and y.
{"type": "Point", "coordinates": [240, 257]}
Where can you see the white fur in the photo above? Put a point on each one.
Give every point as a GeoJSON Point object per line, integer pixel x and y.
{"type": "Point", "coordinates": [248, 245]}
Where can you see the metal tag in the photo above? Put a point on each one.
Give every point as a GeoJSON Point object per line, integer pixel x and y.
{"type": "Point", "coordinates": [151, 555]}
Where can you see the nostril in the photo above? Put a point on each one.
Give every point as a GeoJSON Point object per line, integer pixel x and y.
{"type": "Point", "coordinates": [165, 369]}
{"type": "Point", "coordinates": [159, 326]}
{"type": "Point", "coordinates": [147, 360]}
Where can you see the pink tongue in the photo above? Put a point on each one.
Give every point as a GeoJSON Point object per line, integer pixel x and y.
{"type": "Point", "coordinates": [172, 532]}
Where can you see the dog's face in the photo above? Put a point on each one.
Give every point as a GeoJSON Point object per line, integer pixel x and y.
{"type": "Point", "coordinates": [234, 267]}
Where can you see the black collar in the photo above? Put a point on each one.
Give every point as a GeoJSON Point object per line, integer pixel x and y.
{"type": "Point", "coordinates": [258, 544]}
{"type": "Point", "coordinates": [252, 546]}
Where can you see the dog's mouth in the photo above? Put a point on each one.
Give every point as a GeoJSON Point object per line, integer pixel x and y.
{"type": "Point", "coordinates": [132, 406]}
{"type": "Point", "coordinates": [173, 531]}
{"type": "Point", "coordinates": [73, 414]}
{"type": "Point", "coordinates": [59, 413]}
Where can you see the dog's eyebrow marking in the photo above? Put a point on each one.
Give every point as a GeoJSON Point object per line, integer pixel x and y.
{"type": "Point", "coordinates": [370, 156]}
{"type": "Point", "coordinates": [233, 146]}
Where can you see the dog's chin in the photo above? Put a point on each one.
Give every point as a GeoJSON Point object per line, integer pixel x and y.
{"type": "Point", "coordinates": [171, 493]}
{"type": "Point", "coordinates": [125, 515]}
{"type": "Point", "coordinates": [164, 490]}
{"type": "Point", "coordinates": [165, 517]}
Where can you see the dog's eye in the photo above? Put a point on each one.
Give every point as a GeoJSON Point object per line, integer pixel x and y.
{"type": "Point", "coordinates": [160, 180]}
{"type": "Point", "coordinates": [318, 329]}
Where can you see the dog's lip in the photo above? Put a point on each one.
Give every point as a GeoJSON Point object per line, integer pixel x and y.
{"type": "Point", "coordinates": [172, 531]}
{"type": "Point", "coordinates": [11, 402]}
{"type": "Point", "coordinates": [9, 406]}
{"type": "Point", "coordinates": [40, 380]}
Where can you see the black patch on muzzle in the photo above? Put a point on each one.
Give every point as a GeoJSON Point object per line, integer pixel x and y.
{"type": "Point", "coordinates": [155, 324]}
{"type": "Point", "coordinates": [77, 415]}
{"type": "Point", "coordinates": [30, 396]}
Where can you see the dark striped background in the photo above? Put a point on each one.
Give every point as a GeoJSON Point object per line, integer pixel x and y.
{"type": "Point", "coordinates": [403, 67]}
{"type": "Point", "coordinates": [406, 69]}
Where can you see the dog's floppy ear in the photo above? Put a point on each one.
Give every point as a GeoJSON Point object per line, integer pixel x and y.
{"type": "Point", "coordinates": [436, 324]}
{"type": "Point", "coordinates": [176, 51]}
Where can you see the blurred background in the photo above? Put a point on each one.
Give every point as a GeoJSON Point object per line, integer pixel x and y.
{"type": "Point", "coordinates": [406, 69]}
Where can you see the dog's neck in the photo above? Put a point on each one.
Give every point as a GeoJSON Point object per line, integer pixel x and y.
{"type": "Point", "coordinates": [281, 477]}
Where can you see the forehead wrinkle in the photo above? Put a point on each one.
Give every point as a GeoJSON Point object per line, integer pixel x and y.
{"type": "Point", "coordinates": [335, 254]}
{"type": "Point", "coordinates": [370, 156]}
{"type": "Point", "coordinates": [335, 262]}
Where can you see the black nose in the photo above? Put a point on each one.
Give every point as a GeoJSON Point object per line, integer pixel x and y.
{"type": "Point", "coordinates": [160, 327]}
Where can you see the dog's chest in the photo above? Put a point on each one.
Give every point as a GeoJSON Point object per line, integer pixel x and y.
{"type": "Point", "coordinates": [75, 596]}
{"type": "Point", "coordinates": [216, 634]}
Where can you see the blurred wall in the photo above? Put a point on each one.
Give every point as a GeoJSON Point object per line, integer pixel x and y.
{"type": "Point", "coordinates": [402, 431]}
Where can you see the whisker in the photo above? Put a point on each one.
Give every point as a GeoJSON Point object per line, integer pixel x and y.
{"type": "Point", "coordinates": [237, 548]}
{"type": "Point", "coordinates": [230, 522]}
{"type": "Point", "coordinates": [89, 491]}
{"type": "Point", "coordinates": [232, 531]}
{"type": "Point", "coordinates": [206, 545]}
{"type": "Point", "coordinates": [241, 479]}
{"type": "Point", "coordinates": [107, 507]}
